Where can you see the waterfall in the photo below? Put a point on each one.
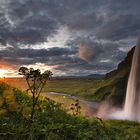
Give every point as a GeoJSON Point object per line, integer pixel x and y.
{"type": "Point", "coordinates": [131, 109]}
{"type": "Point", "coordinates": [132, 101]}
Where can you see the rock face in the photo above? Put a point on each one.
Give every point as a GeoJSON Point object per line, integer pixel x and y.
{"type": "Point", "coordinates": [125, 64]}
{"type": "Point", "coordinates": [120, 76]}
{"type": "Point", "coordinates": [115, 82]}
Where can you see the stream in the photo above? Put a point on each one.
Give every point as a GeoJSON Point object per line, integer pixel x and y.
{"type": "Point", "coordinates": [88, 108]}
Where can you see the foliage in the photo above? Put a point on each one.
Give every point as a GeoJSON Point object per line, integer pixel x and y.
{"type": "Point", "coordinates": [76, 108]}
{"type": "Point", "coordinates": [36, 81]}
{"type": "Point", "coordinates": [53, 123]}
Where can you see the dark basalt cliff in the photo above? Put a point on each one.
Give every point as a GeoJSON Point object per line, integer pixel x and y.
{"type": "Point", "coordinates": [125, 64]}
{"type": "Point", "coordinates": [115, 82]}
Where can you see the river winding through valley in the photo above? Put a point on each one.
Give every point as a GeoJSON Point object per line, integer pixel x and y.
{"type": "Point", "coordinates": [88, 108]}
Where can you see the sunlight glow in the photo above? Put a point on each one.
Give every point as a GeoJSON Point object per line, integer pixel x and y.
{"type": "Point", "coordinates": [3, 72]}
{"type": "Point", "coordinates": [8, 73]}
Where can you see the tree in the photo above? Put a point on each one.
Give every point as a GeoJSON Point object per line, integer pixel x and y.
{"type": "Point", "coordinates": [36, 81]}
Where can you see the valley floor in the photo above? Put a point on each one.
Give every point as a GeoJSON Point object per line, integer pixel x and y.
{"type": "Point", "coordinates": [54, 123]}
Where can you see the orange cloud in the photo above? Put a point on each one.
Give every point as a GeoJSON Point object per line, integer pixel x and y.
{"type": "Point", "coordinates": [86, 52]}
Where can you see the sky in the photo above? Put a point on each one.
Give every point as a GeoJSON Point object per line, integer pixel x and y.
{"type": "Point", "coordinates": [68, 37]}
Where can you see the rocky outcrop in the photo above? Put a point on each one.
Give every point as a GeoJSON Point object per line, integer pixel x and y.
{"type": "Point", "coordinates": [125, 64]}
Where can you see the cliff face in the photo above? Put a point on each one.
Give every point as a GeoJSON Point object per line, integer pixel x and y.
{"type": "Point", "coordinates": [125, 64]}
{"type": "Point", "coordinates": [115, 82]}
{"type": "Point", "coordinates": [120, 76]}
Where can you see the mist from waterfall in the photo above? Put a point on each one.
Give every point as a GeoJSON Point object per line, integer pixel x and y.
{"type": "Point", "coordinates": [132, 101]}
{"type": "Point", "coordinates": [131, 109]}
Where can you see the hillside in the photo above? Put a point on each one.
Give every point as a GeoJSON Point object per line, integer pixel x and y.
{"type": "Point", "coordinates": [116, 81]}
{"type": "Point", "coordinates": [91, 76]}
{"type": "Point", "coordinates": [113, 86]}
{"type": "Point", "coordinates": [125, 64]}
{"type": "Point", "coordinates": [52, 122]}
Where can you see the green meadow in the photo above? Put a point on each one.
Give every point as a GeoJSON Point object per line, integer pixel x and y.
{"type": "Point", "coordinates": [53, 122]}
{"type": "Point", "coordinates": [96, 90]}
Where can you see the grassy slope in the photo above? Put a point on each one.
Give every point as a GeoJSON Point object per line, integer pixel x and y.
{"type": "Point", "coordinates": [113, 87]}
{"type": "Point", "coordinates": [55, 124]}
{"type": "Point", "coordinates": [90, 89]}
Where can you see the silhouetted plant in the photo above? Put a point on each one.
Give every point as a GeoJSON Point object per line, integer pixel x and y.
{"type": "Point", "coordinates": [76, 108]}
{"type": "Point", "coordinates": [36, 81]}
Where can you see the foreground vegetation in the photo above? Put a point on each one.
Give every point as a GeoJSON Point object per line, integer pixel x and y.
{"type": "Point", "coordinates": [52, 122]}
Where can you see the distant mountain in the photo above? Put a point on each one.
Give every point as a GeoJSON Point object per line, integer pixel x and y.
{"type": "Point", "coordinates": [91, 76]}
{"type": "Point", "coordinates": [96, 76]}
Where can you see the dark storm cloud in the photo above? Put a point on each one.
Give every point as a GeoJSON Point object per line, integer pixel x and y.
{"type": "Point", "coordinates": [101, 25]}
{"type": "Point", "coordinates": [123, 6]}
{"type": "Point", "coordinates": [121, 20]}
{"type": "Point", "coordinates": [64, 58]}
{"type": "Point", "coordinates": [30, 56]}
{"type": "Point", "coordinates": [84, 68]}
{"type": "Point", "coordinates": [24, 23]}
{"type": "Point", "coordinates": [32, 21]}
{"type": "Point", "coordinates": [120, 27]}
{"type": "Point", "coordinates": [32, 53]}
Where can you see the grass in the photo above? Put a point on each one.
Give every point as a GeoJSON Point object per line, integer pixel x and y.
{"type": "Point", "coordinates": [97, 90]}
{"type": "Point", "coordinates": [125, 129]}
{"type": "Point", "coordinates": [79, 88]}
{"type": "Point", "coordinates": [54, 123]}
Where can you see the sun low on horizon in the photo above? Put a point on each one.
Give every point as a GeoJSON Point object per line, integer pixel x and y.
{"type": "Point", "coordinates": [3, 73]}
{"type": "Point", "coordinates": [13, 72]}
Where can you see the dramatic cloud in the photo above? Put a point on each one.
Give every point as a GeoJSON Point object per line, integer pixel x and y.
{"type": "Point", "coordinates": [88, 51]}
{"type": "Point", "coordinates": [72, 37]}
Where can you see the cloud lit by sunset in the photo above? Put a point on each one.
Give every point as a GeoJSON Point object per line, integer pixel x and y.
{"type": "Point", "coordinates": [40, 33]}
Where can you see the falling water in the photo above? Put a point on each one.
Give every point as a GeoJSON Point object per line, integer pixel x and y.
{"type": "Point", "coordinates": [131, 110]}
{"type": "Point", "coordinates": [132, 101]}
